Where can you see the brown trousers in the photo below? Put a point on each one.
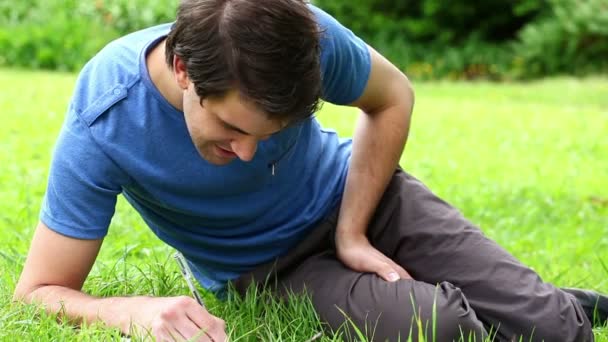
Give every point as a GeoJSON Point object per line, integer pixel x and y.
{"type": "Point", "coordinates": [464, 283]}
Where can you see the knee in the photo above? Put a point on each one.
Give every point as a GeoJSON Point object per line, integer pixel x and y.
{"type": "Point", "coordinates": [454, 317]}
{"type": "Point", "coordinates": [439, 313]}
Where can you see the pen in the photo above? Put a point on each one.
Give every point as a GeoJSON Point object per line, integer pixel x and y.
{"type": "Point", "coordinates": [187, 273]}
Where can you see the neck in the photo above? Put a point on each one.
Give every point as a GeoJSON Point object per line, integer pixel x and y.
{"type": "Point", "coordinates": [162, 76]}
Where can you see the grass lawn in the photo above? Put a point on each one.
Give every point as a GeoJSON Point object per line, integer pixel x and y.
{"type": "Point", "coordinates": [527, 162]}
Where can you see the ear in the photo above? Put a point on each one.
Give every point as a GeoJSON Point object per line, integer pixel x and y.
{"type": "Point", "coordinates": [181, 75]}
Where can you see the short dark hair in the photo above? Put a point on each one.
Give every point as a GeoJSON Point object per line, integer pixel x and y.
{"type": "Point", "coordinates": [268, 50]}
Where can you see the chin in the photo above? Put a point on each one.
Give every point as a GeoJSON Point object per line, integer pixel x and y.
{"type": "Point", "coordinates": [218, 162]}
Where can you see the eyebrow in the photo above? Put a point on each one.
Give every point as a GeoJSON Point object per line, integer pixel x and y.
{"type": "Point", "coordinates": [233, 127]}
{"type": "Point", "coordinates": [230, 126]}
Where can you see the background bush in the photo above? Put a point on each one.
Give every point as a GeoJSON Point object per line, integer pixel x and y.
{"type": "Point", "coordinates": [64, 34]}
{"type": "Point", "coordinates": [499, 39]}
{"type": "Point", "coordinates": [435, 20]}
{"type": "Point", "coordinates": [428, 39]}
{"type": "Point", "coordinates": [571, 38]}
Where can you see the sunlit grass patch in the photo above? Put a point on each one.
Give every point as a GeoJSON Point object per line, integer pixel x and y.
{"type": "Point", "coordinates": [526, 162]}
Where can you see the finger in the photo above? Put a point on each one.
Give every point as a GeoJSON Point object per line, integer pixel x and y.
{"type": "Point", "coordinates": [389, 274]}
{"type": "Point", "coordinates": [391, 271]}
{"type": "Point", "coordinates": [212, 327]}
{"type": "Point", "coordinates": [217, 333]}
{"type": "Point", "coordinates": [403, 274]}
{"type": "Point", "coordinates": [383, 267]}
{"type": "Point", "coordinates": [161, 332]}
{"type": "Point", "coordinates": [396, 268]}
{"type": "Point", "coordinates": [169, 335]}
{"type": "Point", "coordinates": [190, 331]}
{"type": "Point", "coordinates": [199, 316]}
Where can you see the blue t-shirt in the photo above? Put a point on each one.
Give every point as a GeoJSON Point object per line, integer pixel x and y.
{"type": "Point", "coordinates": [121, 135]}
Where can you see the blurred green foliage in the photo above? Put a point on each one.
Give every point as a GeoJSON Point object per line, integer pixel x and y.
{"type": "Point", "coordinates": [435, 21]}
{"type": "Point", "coordinates": [497, 40]}
{"type": "Point", "coordinates": [428, 39]}
{"type": "Point", "coordinates": [64, 34]}
{"type": "Point", "coordinates": [571, 38]}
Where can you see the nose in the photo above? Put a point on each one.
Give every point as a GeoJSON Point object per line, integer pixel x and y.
{"type": "Point", "coordinates": [244, 147]}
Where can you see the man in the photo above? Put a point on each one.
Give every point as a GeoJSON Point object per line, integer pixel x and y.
{"type": "Point", "coordinates": [205, 127]}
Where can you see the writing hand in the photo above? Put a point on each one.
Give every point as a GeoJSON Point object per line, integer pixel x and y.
{"type": "Point", "coordinates": [179, 319]}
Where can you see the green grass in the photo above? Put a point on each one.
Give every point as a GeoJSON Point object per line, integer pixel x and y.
{"type": "Point", "coordinates": [527, 162]}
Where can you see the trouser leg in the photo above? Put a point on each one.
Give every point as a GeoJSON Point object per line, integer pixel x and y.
{"type": "Point", "coordinates": [380, 310]}
{"type": "Point", "coordinates": [433, 242]}
{"type": "Point", "coordinates": [436, 245]}
{"type": "Point", "coordinates": [346, 299]}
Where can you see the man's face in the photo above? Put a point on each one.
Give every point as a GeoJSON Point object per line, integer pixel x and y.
{"type": "Point", "coordinates": [223, 129]}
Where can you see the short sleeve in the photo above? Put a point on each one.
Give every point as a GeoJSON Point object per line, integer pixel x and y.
{"type": "Point", "coordinates": [345, 61]}
{"type": "Point", "coordinates": [83, 184]}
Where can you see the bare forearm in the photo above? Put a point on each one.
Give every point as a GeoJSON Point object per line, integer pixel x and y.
{"type": "Point", "coordinates": [65, 263]}
{"type": "Point", "coordinates": [78, 307]}
{"type": "Point", "coordinates": [378, 143]}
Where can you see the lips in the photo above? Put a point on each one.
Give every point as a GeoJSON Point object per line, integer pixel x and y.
{"type": "Point", "coordinates": [226, 153]}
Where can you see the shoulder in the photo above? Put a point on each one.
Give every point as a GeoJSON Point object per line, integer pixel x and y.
{"type": "Point", "coordinates": [329, 26]}
{"type": "Point", "coordinates": [345, 60]}
{"type": "Point", "coordinates": [106, 79]}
